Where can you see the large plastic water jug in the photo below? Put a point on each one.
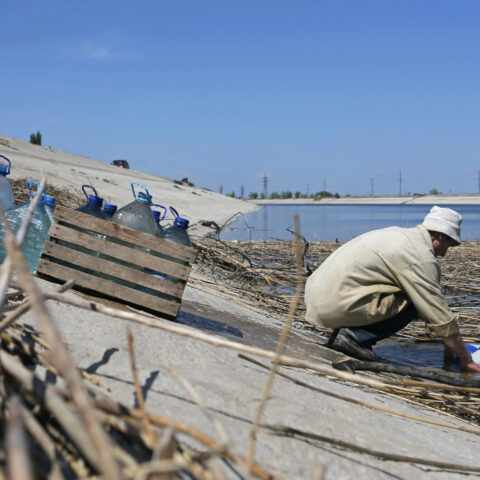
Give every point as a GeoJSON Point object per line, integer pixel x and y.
{"type": "Point", "coordinates": [6, 192]}
{"type": "Point", "coordinates": [93, 207]}
{"type": "Point", "coordinates": [137, 214]}
{"type": "Point", "coordinates": [37, 232]}
{"type": "Point", "coordinates": [474, 350]}
{"type": "Point", "coordinates": [178, 231]}
{"type": "Point", "coordinates": [94, 203]}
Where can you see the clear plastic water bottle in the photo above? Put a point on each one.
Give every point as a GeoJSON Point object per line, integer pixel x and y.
{"type": "Point", "coordinates": [474, 350]}
{"type": "Point", "coordinates": [178, 231]}
{"type": "Point", "coordinates": [37, 232]}
{"type": "Point", "coordinates": [137, 214]}
{"type": "Point", "coordinates": [6, 192]}
{"type": "Point", "coordinates": [109, 210]}
{"type": "Point", "coordinates": [93, 207]}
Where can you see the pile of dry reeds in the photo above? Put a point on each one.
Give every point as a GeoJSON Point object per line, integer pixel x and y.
{"type": "Point", "coordinates": [63, 197]}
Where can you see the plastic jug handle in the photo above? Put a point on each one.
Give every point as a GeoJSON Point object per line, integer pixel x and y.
{"type": "Point", "coordinates": [174, 211]}
{"type": "Point", "coordinates": [140, 187]}
{"type": "Point", "coordinates": [161, 206]}
{"type": "Point", "coordinates": [30, 183]}
{"type": "Point", "coordinates": [89, 186]}
{"type": "Point", "coordinates": [9, 163]}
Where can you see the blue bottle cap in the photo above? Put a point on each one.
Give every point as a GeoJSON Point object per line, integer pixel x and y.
{"type": "Point", "coordinates": [94, 201]}
{"type": "Point", "coordinates": [156, 215]}
{"type": "Point", "coordinates": [109, 208]}
{"type": "Point", "coordinates": [181, 222]}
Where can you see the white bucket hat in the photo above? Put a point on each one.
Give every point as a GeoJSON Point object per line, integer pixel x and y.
{"type": "Point", "coordinates": [444, 220]}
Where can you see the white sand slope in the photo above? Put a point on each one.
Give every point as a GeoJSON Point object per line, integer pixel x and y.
{"type": "Point", "coordinates": [113, 183]}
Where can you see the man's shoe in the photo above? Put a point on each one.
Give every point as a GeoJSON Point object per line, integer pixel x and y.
{"type": "Point", "coordinates": [350, 347]}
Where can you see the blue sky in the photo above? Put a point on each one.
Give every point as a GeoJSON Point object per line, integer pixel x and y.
{"type": "Point", "coordinates": [224, 92]}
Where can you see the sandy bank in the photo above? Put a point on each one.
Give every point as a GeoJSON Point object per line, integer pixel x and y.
{"type": "Point", "coordinates": [460, 199]}
{"type": "Point", "coordinates": [69, 171]}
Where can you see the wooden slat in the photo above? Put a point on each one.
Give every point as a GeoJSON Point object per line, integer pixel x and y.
{"type": "Point", "coordinates": [122, 252]}
{"type": "Point", "coordinates": [101, 265]}
{"type": "Point", "coordinates": [105, 287]}
{"type": "Point", "coordinates": [126, 234]}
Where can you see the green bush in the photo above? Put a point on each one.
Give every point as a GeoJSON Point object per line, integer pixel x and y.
{"type": "Point", "coordinates": [36, 138]}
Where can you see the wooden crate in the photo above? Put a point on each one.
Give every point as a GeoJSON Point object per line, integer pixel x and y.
{"type": "Point", "coordinates": [97, 270]}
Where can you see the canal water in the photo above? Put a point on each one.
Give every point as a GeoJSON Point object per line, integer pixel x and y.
{"type": "Point", "coordinates": [338, 222]}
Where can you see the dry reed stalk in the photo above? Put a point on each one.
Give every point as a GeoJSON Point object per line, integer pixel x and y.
{"type": "Point", "coordinates": [279, 351]}
{"type": "Point", "coordinates": [115, 408]}
{"type": "Point", "coordinates": [42, 438]}
{"type": "Point", "coordinates": [60, 357]}
{"type": "Point", "coordinates": [17, 449]}
{"type": "Point", "coordinates": [165, 450]}
{"type": "Point", "coordinates": [151, 440]}
{"type": "Point", "coordinates": [25, 307]}
{"type": "Point", "coordinates": [196, 398]}
{"type": "Point", "coordinates": [46, 396]}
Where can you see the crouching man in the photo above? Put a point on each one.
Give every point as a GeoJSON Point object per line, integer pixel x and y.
{"type": "Point", "coordinates": [377, 283]}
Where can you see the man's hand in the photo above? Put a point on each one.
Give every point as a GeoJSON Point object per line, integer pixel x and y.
{"type": "Point", "coordinates": [454, 343]}
{"type": "Point", "coordinates": [471, 367]}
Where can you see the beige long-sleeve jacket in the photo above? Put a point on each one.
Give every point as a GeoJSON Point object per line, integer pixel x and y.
{"type": "Point", "coordinates": [375, 276]}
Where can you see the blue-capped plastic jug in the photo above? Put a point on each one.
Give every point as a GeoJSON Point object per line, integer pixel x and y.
{"type": "Point", "coordinates": [94, 203]}
{"type": "Point", "coordinates": [37, 232]}
{"type": "Point", "coordinates": [178, 231]}
{"type": "Point", "coordinates": [6, 192]}
{"type": "Point", "coordinates": [474, 350]}
{"type": "Point", "coordinates": [137, 214]}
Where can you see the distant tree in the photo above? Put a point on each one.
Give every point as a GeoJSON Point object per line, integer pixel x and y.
{"type": "Point", "coordinates": [231, 195]}
{"type": "Point", "coordinates": [262, 196]}
{"type": "Point", "coordinates": [253, 195]}
{"type": "Point", "coordinates": [298, 194]}
{"type": "Point", "coordinates": [274, 195]}
{"type": "Point", "coordinates": [286, 194]}
{"type": "Point", "coordinates": [323, 194]}
{"type": "Point", "coordinates": [36, 138]}
{"type": "Point", "coordinates": [337, 195]}
{"type": "Point", "coordinates": [434, 191]}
